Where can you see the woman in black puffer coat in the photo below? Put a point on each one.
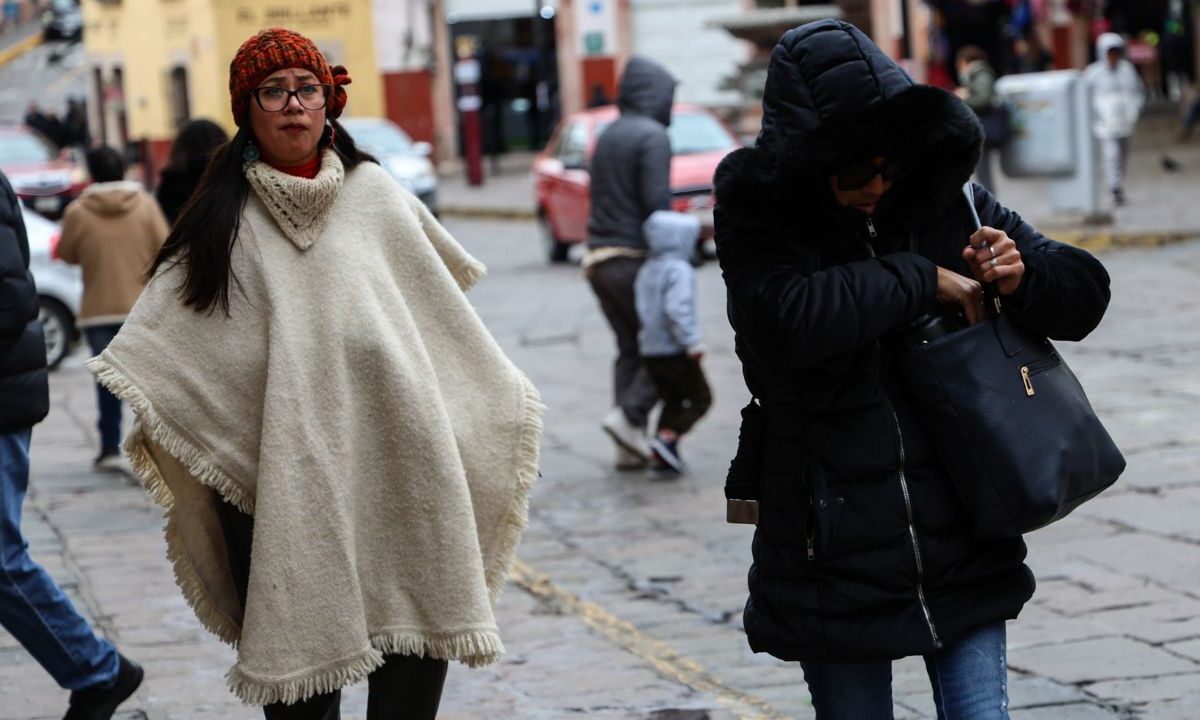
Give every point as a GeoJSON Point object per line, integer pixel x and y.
{"type": "Point", "coordinates": [845, 223]}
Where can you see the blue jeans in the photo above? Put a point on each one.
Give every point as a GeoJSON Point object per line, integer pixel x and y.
{"type": "Point", "coordinates": [969, 680]}
{"type": "Point", "coordinates": [98, 338]}
{"type": "Point", "coordinates": [32, 607]}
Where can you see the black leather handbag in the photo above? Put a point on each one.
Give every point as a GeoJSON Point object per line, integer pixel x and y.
{"type": "Point", "coordinates": [1011, 422]}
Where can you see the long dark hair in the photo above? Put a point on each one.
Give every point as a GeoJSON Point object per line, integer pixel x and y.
{"type": "Point", "coordinates": [203, 236]}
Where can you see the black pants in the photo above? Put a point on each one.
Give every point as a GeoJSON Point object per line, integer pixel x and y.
{"type": "Point", "coordinates": [403, 688]}
{"type": "Point", "coordinates": [684, 390]}
{"type": "Point", "coordinates": [633, 390]}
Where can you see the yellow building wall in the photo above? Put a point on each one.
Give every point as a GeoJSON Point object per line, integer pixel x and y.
{"type": "Point", "coordinates": [148, 38]}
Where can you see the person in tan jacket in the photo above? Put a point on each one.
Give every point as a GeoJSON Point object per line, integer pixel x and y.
{"type": "Point", "coordinates": [113, 232]}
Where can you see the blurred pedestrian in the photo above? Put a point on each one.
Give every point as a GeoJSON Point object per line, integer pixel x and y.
{"type": "Point", "coordinates": [1030, 55]}
{"type": "Point", "coordinates": [977, 88]}
{"type": "Point", "coordinates": [670, 339]}
{"type": "Point", "coordinates": [75, 126]}
{"type": "Point", "coordinates": [32, 607]}
{"type": "Point", "coordinates": [12, 15]}
{"type": "Point", "coordinates": [1117, 100]}
{"type": "Point", "coordinates": [190, 152]}
{"type": "Point", "coordinates": [48, 126]}
{"type": "Point", "coordinates": [344, 452]}
{"type": "Point", "coordinates": [113, 232]}
{"type": "Point", "coordinates": [599, 97]}
{"type": "Point", "coordinates": [844, 224]}
{"type": "Point", "coordinates": [630, 179]}
{"type": "Point", "coordinates": [1191, 120]}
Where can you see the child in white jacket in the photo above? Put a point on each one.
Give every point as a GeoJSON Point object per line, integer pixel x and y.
{"type": "Point", "coordinates": [670, 340]}
{"type": "Point", "coordinates": [1117, 99]}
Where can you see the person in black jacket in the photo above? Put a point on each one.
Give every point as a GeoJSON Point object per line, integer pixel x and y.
{"type": "Point", "coordinates": [630, 179]}
{"type": "Point", "coordinates": [32, 607]}
{"type": "Point", "coordinates": [190, 152]}
{"type": "Point", "coordinates": [842, 225]}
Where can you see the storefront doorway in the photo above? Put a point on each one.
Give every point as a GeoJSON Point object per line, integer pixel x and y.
{"type": "Point", "coordinates": [518, 81]}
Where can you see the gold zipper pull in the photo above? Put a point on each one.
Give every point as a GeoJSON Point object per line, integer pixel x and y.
{"type": "Point", "coordinates": [1028, 381]}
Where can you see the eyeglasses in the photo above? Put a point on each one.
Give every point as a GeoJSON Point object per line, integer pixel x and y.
{"type": "Point", "coordinates": [275, 99]}
{"type": "Point", "coordinates": [860, 175]}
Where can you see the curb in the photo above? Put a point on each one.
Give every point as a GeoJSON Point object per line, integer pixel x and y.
{"type": "Point", "coordinates": [487, 213]}
{"type": "Point", "coordinates": [16, 50]}
{"type": "Point", "coordinates": [1103, 240]}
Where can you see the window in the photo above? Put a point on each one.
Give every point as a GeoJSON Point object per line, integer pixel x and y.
{"type": "Point", "coordinates": [22, 148]}
{"type": "Point", "coordinates": [572, 149]}
{"type": "Point", "coordinates": [692, 133]}
{"type": "Point", "coordinates": [180, 108]}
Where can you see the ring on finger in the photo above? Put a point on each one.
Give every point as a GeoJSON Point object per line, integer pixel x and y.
{"type": "Point", "coordinates": [993, 251]}
{"type": "Point", "coordinates": [993, 262]}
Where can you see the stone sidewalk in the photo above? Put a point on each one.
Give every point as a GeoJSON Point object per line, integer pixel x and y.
{"type": "Point", "coordinates": [626, 603]}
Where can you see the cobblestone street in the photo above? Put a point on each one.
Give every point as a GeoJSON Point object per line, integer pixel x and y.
{"type": "Point", "coordinates": [627, 600]}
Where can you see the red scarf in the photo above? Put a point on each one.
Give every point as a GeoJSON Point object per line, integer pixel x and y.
{"type": "Point", "coordinates": [306, 170]}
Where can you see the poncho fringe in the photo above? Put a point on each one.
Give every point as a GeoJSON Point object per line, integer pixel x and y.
{"type": "Point", "coordinates": [473, 648]}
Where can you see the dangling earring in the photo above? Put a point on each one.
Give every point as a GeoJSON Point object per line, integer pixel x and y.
{"type": "Point", "coordinates": [250, 153]}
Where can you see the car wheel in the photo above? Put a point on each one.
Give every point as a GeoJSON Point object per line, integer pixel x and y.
{"type": "Point", "coordinates": [556, 250]}
{"type": "Point", "coordinates": [57, 326]}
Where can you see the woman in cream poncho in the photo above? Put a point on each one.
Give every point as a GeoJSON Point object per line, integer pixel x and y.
{"type": "Point", "coordinates": [344, 452]}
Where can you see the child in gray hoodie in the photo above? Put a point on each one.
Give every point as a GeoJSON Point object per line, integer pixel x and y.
{"type": "Point", "coordinates": [670, 341]}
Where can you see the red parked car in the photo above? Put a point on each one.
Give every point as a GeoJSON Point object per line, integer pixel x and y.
{"type": "Point", "coordinates": [699, 141]}
{"type": "Point", "coordinates": [45, 180]}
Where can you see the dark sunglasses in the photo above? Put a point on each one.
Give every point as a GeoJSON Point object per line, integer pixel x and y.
{"type": "Point", "coordinates": [860, 175]}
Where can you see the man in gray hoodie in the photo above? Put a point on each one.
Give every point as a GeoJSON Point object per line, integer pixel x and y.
{"type": "Point", "coordinates": [630, 179]}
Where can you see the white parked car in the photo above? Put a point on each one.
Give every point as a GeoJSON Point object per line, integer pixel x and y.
{"type": "Point", "coordinates": [59, 286]}
{"type": "Point", "coordinates": [406, 161]}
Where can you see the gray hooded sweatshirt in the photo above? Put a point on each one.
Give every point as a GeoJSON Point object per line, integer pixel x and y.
{"type": "Point", "coordinates": [666, 287]}
{"type": "Point", "coordinates": [631, 165]}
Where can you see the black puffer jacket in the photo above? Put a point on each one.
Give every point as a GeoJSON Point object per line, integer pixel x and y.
{"type": "Point", "coordinates": [863, 550]}
{"type": "Point", "coordinates": [631, 165]}
{"type": "Point", "coordinates": [24, 391]}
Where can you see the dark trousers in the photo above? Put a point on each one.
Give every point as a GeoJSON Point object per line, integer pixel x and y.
{"type": "Point", "coordinates": [633, 390]}
{"type": "Point", "coordinates": [684, 390]}
{"type": "Point", "coordinates": [98, 338]}
{"type": "Point", "coordinates": [403, 688]}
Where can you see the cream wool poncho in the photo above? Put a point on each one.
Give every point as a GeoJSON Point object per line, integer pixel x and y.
{"type": "Point", "coordinates": [356, 406]}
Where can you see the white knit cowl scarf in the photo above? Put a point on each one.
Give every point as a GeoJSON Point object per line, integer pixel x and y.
{"type": "Point", "coordinates": [352, 402]}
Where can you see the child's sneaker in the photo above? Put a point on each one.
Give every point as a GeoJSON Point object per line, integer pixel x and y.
{"type": "Point", "coordinates": [666, 452]}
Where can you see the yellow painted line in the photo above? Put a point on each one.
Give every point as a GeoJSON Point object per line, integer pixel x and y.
{"type": "Point", "coordinates": [662, 657]}
{"type": "Point", "coordinates": [15, 51]}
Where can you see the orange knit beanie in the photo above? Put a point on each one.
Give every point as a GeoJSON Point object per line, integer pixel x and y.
{"type": "Point", "coordinates": [278, 49]}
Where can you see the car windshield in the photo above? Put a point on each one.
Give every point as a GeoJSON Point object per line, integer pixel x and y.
{"type": "Point", "coordinates": [380, 138]}
{"type": "Point", "coordinates": [64, 6]}
{"type": "Point", "coordinates": [20, 148]}
{"type": "Point", "coordinates": [691, 133]}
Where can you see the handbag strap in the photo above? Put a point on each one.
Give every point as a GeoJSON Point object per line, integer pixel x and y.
{"type": "Point", "coordinates": [993, 305]}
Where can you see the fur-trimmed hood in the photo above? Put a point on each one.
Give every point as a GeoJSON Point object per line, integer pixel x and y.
{"type": "Point", "coordinates": [832, 98]}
